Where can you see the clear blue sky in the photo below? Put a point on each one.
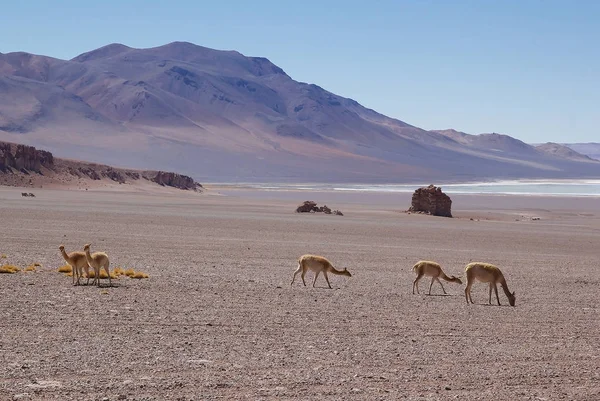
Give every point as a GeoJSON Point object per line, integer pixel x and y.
{"type": "Point", "coordinates": [527, 68]}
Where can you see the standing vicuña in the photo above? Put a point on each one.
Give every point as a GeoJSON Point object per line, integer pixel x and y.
{"type": "Point", "coordinates": [433, 270]}
{"type": "Point", "coordinates": [97, 260]}
{"type": "Point", "coordinates": [487, 273]}
{"type": "Point", "coordinates": [76, 260]}
{"type": "Point", "coordinates": [317, 264]}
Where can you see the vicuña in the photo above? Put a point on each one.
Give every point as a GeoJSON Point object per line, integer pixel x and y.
{"type": "Point", "coordinates": [433, 270]}
{"type": "Point", "coordinates": [487, 273]}
{"type": "Point", "coordinates": [97, 260]}
{"type": "Point", "coordinates": [317, 264]}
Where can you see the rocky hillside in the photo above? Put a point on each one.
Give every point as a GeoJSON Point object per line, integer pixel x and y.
{"type": "Point", "coordinates": [222, 116]}
{"type": "Point", "coordinates": [22, 165]}
{"type": "Point", "coordinates": [563, 151]}
{"type": "Point", "coordinates": [590, 149]}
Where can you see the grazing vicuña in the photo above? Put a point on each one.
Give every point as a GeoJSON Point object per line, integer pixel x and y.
{"type": "Point", "coordinates": [433, 270]}
{"type": "Point", "coordinates": [317, 264]}
{"type": "Point", "coordinates": [487, 273]}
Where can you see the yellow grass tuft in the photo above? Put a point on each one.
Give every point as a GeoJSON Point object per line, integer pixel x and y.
{"type": "Point", "coordinates": [65, 269]}
{"type": "Point", "coordinates": [3, 256]}
{"type": "Point", "coordinates": [118, 271]}
{"type": "Point", "coordinates": [91, 273]}
{"type": "Point", "coordinates": [140, 275]}
{"type": "Point", "coordinates": [10, 269]}
{"type": "Point", "coordinates": [30, 268]}
{"type": "Point", "coordinates": [70, 274]}
{"type": "Point", "coordinates": [129, 272]}
{"type": "Point", "coordinates": [37, 264]}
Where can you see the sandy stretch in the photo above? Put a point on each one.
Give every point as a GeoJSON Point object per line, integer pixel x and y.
{"type": "Point", "coordinates": [217, 319]}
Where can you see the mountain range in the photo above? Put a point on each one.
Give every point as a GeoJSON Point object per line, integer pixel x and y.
{"type": "Point", "coordinates": [222, 116]}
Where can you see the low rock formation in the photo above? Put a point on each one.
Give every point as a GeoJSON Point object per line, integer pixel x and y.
{"type": "Point", "coordinates": [175, 180]}
{"type": "Point", "coordinates": [311, 207]}
{"type": "Point", "coordinates": [431, 200]}
{"type": "Point", "coordinates": [18, 162]}
{"type": "Point", "coordinates": [23, 157]}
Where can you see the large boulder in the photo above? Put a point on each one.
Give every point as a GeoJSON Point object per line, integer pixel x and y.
{"type": "Point", "coordinates": [431, 200]}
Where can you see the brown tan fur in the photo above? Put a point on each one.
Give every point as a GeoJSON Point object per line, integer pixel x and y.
{"type": "Point", "coordinates": [96, 261]}
{"type": "Point", "coordinates": [487, 273]}
{"type": "Point", "coordinates": [433, 270]}
{"type": "Point", "coordinates": [317, 264]}
{"type": "Point", "coordinates": [77, 261]}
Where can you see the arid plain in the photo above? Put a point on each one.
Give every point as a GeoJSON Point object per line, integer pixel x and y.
{"type": "Point", "coordinates": [217, 319]}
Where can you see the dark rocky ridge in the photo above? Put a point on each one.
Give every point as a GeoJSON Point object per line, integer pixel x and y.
{"type": "Point", "coordinates": [18, 161]}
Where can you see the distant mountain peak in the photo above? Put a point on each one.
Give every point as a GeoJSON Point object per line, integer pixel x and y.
{"type": "Point", "coordinates": [107, 51]}
{"type": "Point", "coordinates": [222, 115]}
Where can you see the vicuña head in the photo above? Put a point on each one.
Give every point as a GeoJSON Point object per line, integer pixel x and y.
{"type": "Point", "coordinates": [317, 264]}
{"type": "Point", "coordinates": [433, 270]}
{"type": "Point", "coordinates": [487, 273]}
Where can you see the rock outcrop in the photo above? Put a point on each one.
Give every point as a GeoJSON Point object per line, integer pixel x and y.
{"type": "Point", "coordinates": [311, 207]}
{"type": "Point", "coordinates": [431, 200]}
{"type": "Point", "coordinates": [176, 180]}
{"type": "Point", "coordinates": [23, 157]}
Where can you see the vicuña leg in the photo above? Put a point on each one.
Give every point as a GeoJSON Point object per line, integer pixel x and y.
{"type": "Point", "coordinates": [468, 293]}
{"type": "Point", "coordinates": [431, 285]}
{"type": "Point", "coordinates": [75, 275]}
{"type": "Point", "coordinates": [496, 292]}
{"type": "Point", "coordinates": [327, 279]}
{"type": "Point", "coordinates": [296, 272]}
{"type": "Point", "coordinates": [106, 269]}
{"type": "Point", "coordinates": [438, 280]}
{"type": "Point", "coordinates": [302, 276]}
{"type": "Point", "coordinates": [315, 280]}
{"type": "Point", "coordinates": [416, 283]}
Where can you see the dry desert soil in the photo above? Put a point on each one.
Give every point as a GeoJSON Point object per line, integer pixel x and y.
{"type": "Point", "coordinates": [218, 319]}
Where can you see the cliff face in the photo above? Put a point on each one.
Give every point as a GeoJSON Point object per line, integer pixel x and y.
{"type": "Point", "coordinates": [18, 161]}
{"type": "Point", "coordinates": [24, 157]}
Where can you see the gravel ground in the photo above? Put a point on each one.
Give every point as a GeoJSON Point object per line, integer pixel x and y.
{"type": "Point", "coordinates": [218, 319]}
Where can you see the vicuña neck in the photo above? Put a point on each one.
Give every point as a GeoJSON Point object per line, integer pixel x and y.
{"type": "Point", "coordinates": [336, 271]}
{"type": "Point", "coordinates": [505, 288]}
